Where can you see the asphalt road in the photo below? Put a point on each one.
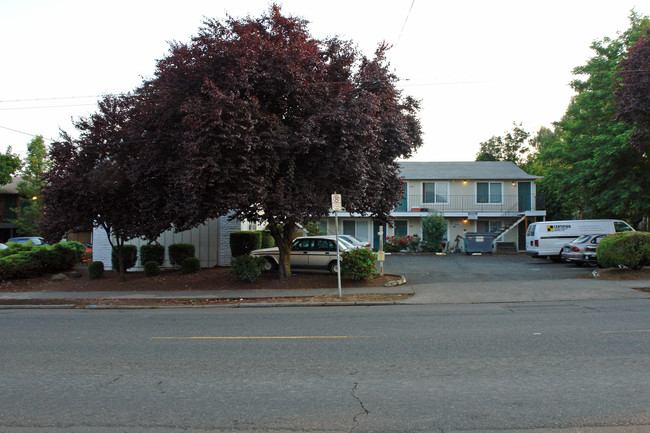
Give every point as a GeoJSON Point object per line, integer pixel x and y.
{"type": "Point", "coordinates": [453, 368]}
{"type": "Point", "coordinates": [452, 268]}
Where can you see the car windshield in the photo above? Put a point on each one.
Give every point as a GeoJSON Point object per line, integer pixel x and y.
{"type": "Point", "coordinates": [581, 240]}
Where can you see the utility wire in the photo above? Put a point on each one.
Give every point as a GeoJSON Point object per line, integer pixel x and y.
{"type": "Point", "coordinates": [404, 25]}
{"type": "Point", "coordinates": [25, 133]}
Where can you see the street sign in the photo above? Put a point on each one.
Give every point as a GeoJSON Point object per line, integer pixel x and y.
{"type": "Point", "coordinates": [336, 203]}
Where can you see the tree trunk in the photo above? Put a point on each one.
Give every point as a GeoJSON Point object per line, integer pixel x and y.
{"type": "Point", "coordinates": [282, 237]}
{"type": "Point", "coordinates": [120, 259]}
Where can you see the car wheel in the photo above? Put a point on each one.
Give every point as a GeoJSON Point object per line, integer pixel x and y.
{"type": "Point", "coordinates": [333, 267]}
{"type": "Point", "coordinates": [270, 265]}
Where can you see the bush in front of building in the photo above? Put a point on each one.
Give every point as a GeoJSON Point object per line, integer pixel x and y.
{"type": "Point", "coordinates": [179, 252]}
{"type": "Point", "coordinates": [190, 265]}
{"type": "Point", "coordinates": [151, 269]}
{"type": "Point", "coordinates": [95, 270]}
{"type": "Point", "coordinates": [247, 268]}
{"type": "Point", "coordinates": [27, 260]}
{"type": "Point", "coordinates": [434, 228]}
{"type": "Point", "coordinates": [630, 249]}
{"type": "Point", "coordinates": [130, 253]}
{"type": "Point", "coordinates": [267, 239]}
{"type": "Point", "coordinates": [152, 253]}
{"type": "Point", "coordinates": [243, 242]}
{"type": "Point", "coordinates": [358, 264]}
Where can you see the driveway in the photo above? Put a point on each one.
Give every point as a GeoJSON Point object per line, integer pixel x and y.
{"type": "Point", "coordinates": [463, 279]}
{"type": "Point", "coordinates": [461, 268]}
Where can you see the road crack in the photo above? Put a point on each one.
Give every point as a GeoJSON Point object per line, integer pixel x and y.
{"type": "Point", "coordinates": [364, 411]}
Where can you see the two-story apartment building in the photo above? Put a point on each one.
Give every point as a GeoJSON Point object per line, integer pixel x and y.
{"type": "Point", "coordinates": [486, 197]}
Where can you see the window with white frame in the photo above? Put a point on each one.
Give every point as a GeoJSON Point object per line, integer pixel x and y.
{"type": "Point", "coordinates": [359, 229]}
{"type": "Point", "coordinates": [435, 192]}
{"type": "Point", "coordinates": [489, 192]}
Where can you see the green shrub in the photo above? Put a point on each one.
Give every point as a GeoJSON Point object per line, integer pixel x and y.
{"type": "Point", "coordinates": [190, 265]}
{"type": "Point", "coordinates": [267, 239]}
{"type": "Point", "coordinates": [77, 247]}
{"type": "Point", "coordinates": [95, 270]}
{"type": "Point", "coordinates": [130, 253]}
{"type": "Point", "coordinates": [243, 242]}
{"type": "Point", "coordinates": [27, 260]}
{"type": "Point", "coordinates": [358, 264]}
{"type": "Point", "coordinates": [247, 268]}
{"type": "Point", "coordinates": [152, 268]}
{"type": "Point", "coordinates": [152, 253]}
{"type": "Point", "coordinates": [314, 228]}
{"type": "Point", "coordinates": [631, 249]}
{"type": "Point", "coordinates": [179, 252]}
{"type": "Point", "coordinates": [434, 228]}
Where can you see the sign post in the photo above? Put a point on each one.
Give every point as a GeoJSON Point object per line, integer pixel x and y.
{"type": "Point", "coordinates": [336, 207]}
{"type": "Point", "coordinates": [381, 255]}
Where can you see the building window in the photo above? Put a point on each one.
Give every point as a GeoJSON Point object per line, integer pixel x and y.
{"type": "Point", "coordinates": [489, 192]}
{"type": "Point", "coordinates": [435, 192]}
{"type": "Point", "coordinates": [401, 228]}
{"type": "Point", "coordinates": [358, 229]}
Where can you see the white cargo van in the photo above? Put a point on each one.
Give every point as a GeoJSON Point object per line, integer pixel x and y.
{"type": "Point", "coordinates": [546, 238]}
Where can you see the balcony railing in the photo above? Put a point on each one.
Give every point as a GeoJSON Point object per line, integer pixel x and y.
{"type": "Point", "coordinates": [469, 203]}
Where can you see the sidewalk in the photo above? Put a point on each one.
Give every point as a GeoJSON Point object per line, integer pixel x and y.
{"type": "Point", "coordinates": [433, 293]}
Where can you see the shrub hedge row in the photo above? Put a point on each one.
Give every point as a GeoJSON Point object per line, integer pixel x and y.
{"type": "Point", "coordinates": [631, 249]}
{"type": "Point", "coordinates": [27, 260]}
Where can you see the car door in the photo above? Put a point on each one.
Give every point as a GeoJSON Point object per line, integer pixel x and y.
{"type": "Point", "coordinates": [300, 252]}
{"type": "Point", "coordinates": [323, 253]}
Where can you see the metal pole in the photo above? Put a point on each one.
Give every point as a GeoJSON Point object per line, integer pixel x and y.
{"type": "Point", "coordinates": [338, 253]}
{"type": "Point", "coordinates": [381, 248]}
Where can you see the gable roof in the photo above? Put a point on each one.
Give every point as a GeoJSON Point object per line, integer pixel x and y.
{"type": "Point", "coordinates": [479, 170]}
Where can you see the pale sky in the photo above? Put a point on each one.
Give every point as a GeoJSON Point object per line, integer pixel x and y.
{"type": "Point", "coordinates": [477, 66]}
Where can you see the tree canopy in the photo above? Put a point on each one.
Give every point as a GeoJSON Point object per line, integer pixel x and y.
{"type": "Point", "coordinates": [253, 118]}
{"type": "Point", "coordinates": [511, 147]}
{"type": "Point", "coordinates": [633, 93]}
{"type": "Point", "coordinates": [10, 163]}
{"type": "Point", "coordinates": [590, 165]}
{"type": "Point", "coordinates": [28, 213]}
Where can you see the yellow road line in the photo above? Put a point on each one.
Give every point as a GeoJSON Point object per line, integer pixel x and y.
{"type": "Point", "coordinates": [625, 332]}
{"type": "Point", "coordinates": [298, 337]}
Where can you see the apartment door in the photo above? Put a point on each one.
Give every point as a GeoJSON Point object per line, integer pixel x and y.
{"type": "Point", "coordinates": [375, 233]}
{"type": "Point", "coordinates": [525, 196]}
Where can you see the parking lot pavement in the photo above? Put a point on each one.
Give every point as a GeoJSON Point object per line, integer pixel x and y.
{"type": "Point", "coordinates": [462, 268]}
{"type": "Point", "coordinates": [461, 278]}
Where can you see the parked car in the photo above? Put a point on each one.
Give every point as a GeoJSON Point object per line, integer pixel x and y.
{"type": "Point", "coordinates": [576, 250]}
{"type": "Point", "coordinates": [590, 252]}
{"type": "Point", "coordinates": [354, 241]}
{"type": "Point", "coordinates": [312, 252]}
{"type": "Point", "coordinates": [36, 240]}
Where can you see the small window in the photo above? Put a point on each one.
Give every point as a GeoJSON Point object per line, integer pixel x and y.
{"type": "Point", "coordinates": [435, 192]}
{"type": "Point", "coordinates": [620, 226]}
{"type": "Point", "coordinates": [489, 192]}
{"type": "Point", "coordinates": [401, 228]}
{"type": "Point", "coordinates": [301, 245]}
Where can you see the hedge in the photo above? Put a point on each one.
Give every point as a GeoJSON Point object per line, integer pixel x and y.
{"type": "Point", "coordinates": [631, 249]}
{"type": "Point", "coordinates": [152, 253]}
{"type": "Point", "coordinates": [243, 242]}
{"type": "Point", "coordinates": [27, 260]}
{"type": "Point", "coordinates": [267, 239]}
{"type": "Point", "coordinates": [130, 257]}
{"type": "Point", "coordinates": [358, 264]}
{"type": "Point", "coordinates": [190, 265]}
{"type": "Point", "coordinates": [247, 268]}
{"type": "Point", "coordinates": [179, 252]}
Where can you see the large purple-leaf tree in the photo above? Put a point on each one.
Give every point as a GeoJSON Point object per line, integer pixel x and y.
{"type": "Point", "coordinates": [259, 118]}
{"type": "Point", "coordinates": [633, 93]}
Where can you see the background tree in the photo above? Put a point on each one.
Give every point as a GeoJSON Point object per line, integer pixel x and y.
{"type": "Point", "coordinates": [511, 147]}
{"type": "Point", "coordinates": [591, 164]}
{"type": "Point", "coordinates": [258, 118]}
{"type": "Point", "coordinates": [633, 93]}
{"type": "Point", "coordinates": [28, 212]}
{"type": "Point", "coordinates": [88, 181]}
{"type": "Point", "coordinates": [9, 164]}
